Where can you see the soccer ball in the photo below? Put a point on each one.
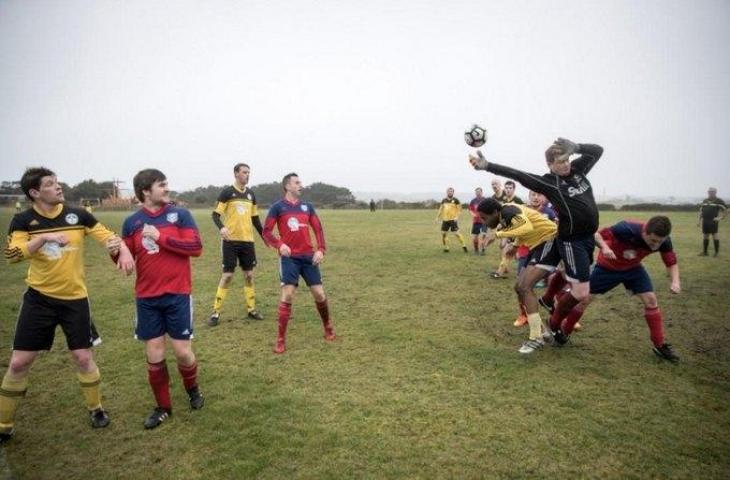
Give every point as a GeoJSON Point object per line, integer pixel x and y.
{"type": "Point", "coordinates": [475, 136]}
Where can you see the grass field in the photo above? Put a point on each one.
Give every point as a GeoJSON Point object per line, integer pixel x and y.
{"type": "Point", "coordinates": [423, 382]}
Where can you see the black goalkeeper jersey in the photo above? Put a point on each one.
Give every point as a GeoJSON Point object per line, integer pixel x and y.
{"type": "Point", "coordinates": [571, 195]}
{"type": "Point", "coordinates": [710, 208]}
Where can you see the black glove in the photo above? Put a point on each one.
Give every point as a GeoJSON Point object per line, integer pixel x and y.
{"type": "Point", "coordinates": [568, 147]}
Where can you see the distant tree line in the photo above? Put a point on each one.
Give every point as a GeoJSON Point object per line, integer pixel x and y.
{"type": "Point", "coordinates": [86, 190]}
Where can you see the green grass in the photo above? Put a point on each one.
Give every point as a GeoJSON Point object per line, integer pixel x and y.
{"type": "Point", "coordinates": [423, 382]}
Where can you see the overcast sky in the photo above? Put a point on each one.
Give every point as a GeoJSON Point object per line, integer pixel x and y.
{"type": "Point", "coordinates": [370, 95]}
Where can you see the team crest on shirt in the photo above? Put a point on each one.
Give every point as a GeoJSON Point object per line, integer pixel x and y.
{"type": "Point", "coordinates": [629, 254]}
{"type": "Point", "coordinates": [293, 224]}
{"type": "Point", "coordinates": [54, 250]}
{"type": "Point", "coordinates": [304, 208]}
{"type": "Point", "coordinates": [72, 219]}
{"type": "Point", "coordinates": [171, 217]}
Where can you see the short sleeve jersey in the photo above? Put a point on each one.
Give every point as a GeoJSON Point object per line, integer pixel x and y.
{"type": "Point", "coordinates": [237, 207]}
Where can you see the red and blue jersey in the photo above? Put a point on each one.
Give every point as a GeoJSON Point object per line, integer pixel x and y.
{"type": "Point", "coordinates": [163, 266]}
{"type": "Point", "coordinates": [626, 241]}
{"type": "Point", "coordinates": [293, 221]}
{"type": "Point", "coordinates": [475, 218]}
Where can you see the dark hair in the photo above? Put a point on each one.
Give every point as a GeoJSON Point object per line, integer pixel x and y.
{"type": "Point", "coordinates": [659, 226]}
{"type": "Point", "coordinates": [489, 206]}
{"type": "Point", "coordinates": [238, 166]}
{"type": "Point", "coordinates": [31, 179]}
{"type": "Point", "coordinates": [553, 152]}
{"type": "Point", "coordinates": [510, 182]}
{"type": "Point", "coordinates": [144, 180]}
{"type": "Point", "coordinates": [285, 180]}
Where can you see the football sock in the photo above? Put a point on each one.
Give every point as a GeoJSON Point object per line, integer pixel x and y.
{"type": "Point", "coordinates": [522, 308]}
{"type": "Point", "coordinates": [555, 285]}
{"type": "Point", "coordinates": [566, 302]}
{"type": "Point", "coordinates": [284, 315]}
{"type": "Point", "coordinates": [189, 374]}
{"type": "Point", "coordinates": [570, 321]}
{"type": "Point", "coordinates": [10, 392]}
{"type": "Point", "coordinates": [533, 319]}
{"type": "Point", "coordinates": [250, 294]}
{"type": "Point", "coordinates": [654, 320]}
{"type": "Point", "coordinates": [705, 244]}
{"type": "Point", "coordinates": [90, 388]}
{"type": "Point", "coordinates": [716, 243]}
{"type": "Point", "coordinates": [475, 242]}
{"type": "Point", "coordinates": [159, 380]}
{"type": "Point", "coordinates": [461, 239]}
{"type": "Point", "coordinates": [443, 240]}
{"type": "Point", "coordinates": [220, 296]}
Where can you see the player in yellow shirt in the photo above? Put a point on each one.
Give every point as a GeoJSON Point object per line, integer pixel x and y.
{"type": "Point", "coordinates": [448, 214]}
{"type": "Point", "coordinates": [530, 228]}
{"type": "Point", "coordinates": [236, 215]}
{"type": "Point", "coordinates": [51, 236]}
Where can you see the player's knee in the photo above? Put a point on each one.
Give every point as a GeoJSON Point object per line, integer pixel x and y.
{"type": "Point", "coordinates": [226, 278]}
{"type": "Point", "coordinates": [83, 358]}
{"type": "Point", "coordinates": [185, 356]}
{"type": "Point", "coordinates": [248, 275]}
{"type": "Point", "coordinates": [650, 300]}
{"type": "Point", "coordinates": [580, 291]}
{"type": "Point", "coordinates": [19, 366]}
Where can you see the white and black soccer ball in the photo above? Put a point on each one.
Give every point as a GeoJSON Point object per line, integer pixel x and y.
{"type": "Point", "coordinates": [475, 136]}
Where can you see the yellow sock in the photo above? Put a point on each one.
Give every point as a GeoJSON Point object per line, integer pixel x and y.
{"type": "Point", "coordinates": [461, 239]}
{"type": "Point", "coordinates": [443, 239]}
{"type": "Point", "coordinates": [90, 388]}
{"type": "Point", "coordinates": [249, 292]}
{"type": "Point", "coordinates": [10, 392]}
{"type": "Point", "coordinates": [503, 264]}
{"type": "Point", "coordinates": [220, 295]}
{"type": "Point", "coordinates": [533, 319]}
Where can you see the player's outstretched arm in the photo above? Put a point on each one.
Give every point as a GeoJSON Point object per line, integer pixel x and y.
{"type": "Point", "coordinates": [529, 180]}
{"type": "Point", "coordinates": [674, 285]}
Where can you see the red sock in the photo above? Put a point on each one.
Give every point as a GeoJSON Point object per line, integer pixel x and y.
{"type": "Point", "coordinates": [570, 321]}
{"type": "Point", "coordinates": [189, 374]}
{"type": "Point", "coordinates": [555, 285]}
{"type": "Point", "coordinates": [475, 242]}
{"type": "Point", "coordinates": [653, 318]}
{"type": "Point", "coordinates": [160, 382]}
{"type": "Point", "coordinates": [523, 311]}
{"type": "Point", "coordinates": [324, 311]}
{"type": "Point", "coordinates": [284, 314]}
{"type": "Point", "coordinates": [566, 302]}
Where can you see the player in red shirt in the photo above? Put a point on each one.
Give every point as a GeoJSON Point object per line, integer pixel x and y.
{"type": "Point", "coordinates": [162, 237]}
{"type": "Point", "coordinates": [622, 247]}
{"type": "Point", "coordinates": [293, 218]}
{"type": "Point", "coordinates": [478, 230]}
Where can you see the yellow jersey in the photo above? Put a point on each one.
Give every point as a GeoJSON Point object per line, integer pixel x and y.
{"type": "Point", "coordinates": [55, 270]}
{"type": "Point", "coordinates": [450, 209]}
{"type": "Point", "coordinates": [238, 208]}
{"type": "Point", "coordinates": [527, 226]}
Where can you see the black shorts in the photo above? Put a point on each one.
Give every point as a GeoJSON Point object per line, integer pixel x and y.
{"type": "Point", "coordinates": [709, 226]}
{"type": "Point", "coordinates": [449, 225]}
{"type": "Point", "coordinates": [577, 255]}
{"type": "Point", "coordinates": [40, 314]}
{"type": "Point", "coordinates": [238, 253]}
{"type": "Point", "coordinates": [545, 256]}
{"type": "Point", "coordinates": [478, 228]}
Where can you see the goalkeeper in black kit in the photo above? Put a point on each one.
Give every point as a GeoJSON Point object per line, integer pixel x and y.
{"type": "Point", "coordinates": [568, 189]}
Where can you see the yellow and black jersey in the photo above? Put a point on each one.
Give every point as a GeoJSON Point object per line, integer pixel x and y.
{"type": "Point", "coordinates": [55, 270]}
{"type": "Point", "coordinates": [527, 226]}
{"type": "Point", "coordinates": [450, 209]}
{"type": "Point", "coordinates": [238, 211]}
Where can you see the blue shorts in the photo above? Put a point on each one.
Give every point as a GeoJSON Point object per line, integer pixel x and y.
{"type": "Point", "coordinates": [170, 314]}
{"type": "Point", "coordinates": [577, 256]}
{"type": "Point", "coordinates": [291, 268]}
{"type": "Point", "coordinates": [478, 228]}
{"type": "Point", "coordinates": [635, 280]}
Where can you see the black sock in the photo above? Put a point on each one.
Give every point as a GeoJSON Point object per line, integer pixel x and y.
{"type": "Point", "coordinates": [717, 245]}
{"type": "Point", "coordinates": [705, 244]}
